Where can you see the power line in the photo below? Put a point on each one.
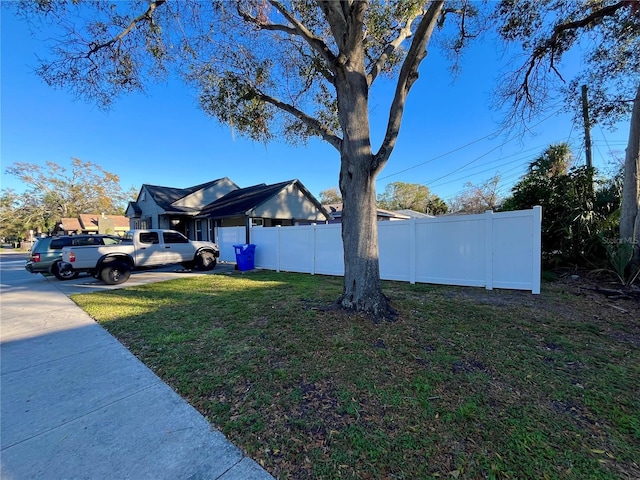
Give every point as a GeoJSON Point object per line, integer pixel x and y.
{"type": "Point", "coordinates": [487, 153]}
{"type": "Point", "coordinates": [439, 156]}
{"type": "Point", "coordinates": [467, 174]}
{"type": "Point", "coordinates": [467, 145]}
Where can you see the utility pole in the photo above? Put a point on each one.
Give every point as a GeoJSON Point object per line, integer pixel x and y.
{"type": "Point", "coordinates": [587, 136]}
{"type": "Point", "coordinates": [587, 127]}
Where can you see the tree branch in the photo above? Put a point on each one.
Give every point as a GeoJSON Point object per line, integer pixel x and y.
{"type": "Point", "coordinates": [551, 45]}
{"type": "Point", "coordinates": [314, 42]}
{"type": "Point", "coordinates": [408, 75]}
{"type": "Point", "coordinates": [265, 25]}
{"type": "Point", "coordinates": [324, 131]}
{"type": "Point", "coordinates": [403, 34]}
{"type": "Point", "coordinates": [145, 17]}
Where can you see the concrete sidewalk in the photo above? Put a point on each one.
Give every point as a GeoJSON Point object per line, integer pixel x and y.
{"type": "Point", "coordinates": [76, 404]}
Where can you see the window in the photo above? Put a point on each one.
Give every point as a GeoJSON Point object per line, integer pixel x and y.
{"type": "Point", "coordinates": [210, 226]}
{"type": "Point", "coordinates": [174, 237]}
{"type": "Point", "coordinates": [112, 241]}
{"type": "Point", "coordinates": [59, 243]}
{"type": "Point", "coordinates": [149, 237]}
{"type": "Point", "coordinates": [199, 230]}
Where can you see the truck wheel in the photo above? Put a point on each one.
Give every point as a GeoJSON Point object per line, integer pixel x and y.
{"type": "Point", "coordinates": [115, 273]}
{"type": "Point", "coordinates": [66, 275]}
{"type": "Point", "coordinates": [206, 261]}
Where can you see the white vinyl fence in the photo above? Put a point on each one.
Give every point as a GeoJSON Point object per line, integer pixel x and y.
{"type": "Point", "coordinates": [491, 250]}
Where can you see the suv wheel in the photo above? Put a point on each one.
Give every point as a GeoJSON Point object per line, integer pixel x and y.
{"type": "Point", "coordinates": [67, 275]}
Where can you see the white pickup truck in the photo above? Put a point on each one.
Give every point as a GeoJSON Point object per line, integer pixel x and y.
{"type": "Point", "coordinates": [139, 249]}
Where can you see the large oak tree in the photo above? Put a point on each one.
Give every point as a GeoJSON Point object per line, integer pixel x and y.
{"type": "Point", "coordinates": [269, 69]}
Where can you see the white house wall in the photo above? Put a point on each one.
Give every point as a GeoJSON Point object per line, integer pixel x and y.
{"type": "Point", "coordinates": [289, 203]}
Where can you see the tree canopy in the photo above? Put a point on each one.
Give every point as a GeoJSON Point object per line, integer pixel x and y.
{"type": "Point", "coordinates": [330, 195]}
{"type": "Point", "coordinates": [53, 192]}
{"type": "Point", "coordinates": [603, 34]}
{"type": "Point", "coordinates": [607, 34]}
{"type": "Point", "coordinates": [477, 198]}
{"type": "Point", "coordinates": [411, 196]}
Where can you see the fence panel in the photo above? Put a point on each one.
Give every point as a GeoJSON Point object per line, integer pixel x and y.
{"type": "Point", "coordinates": [227, 238]}
{"type": "Point", "coordinates": [329, 250]}
{"type": "Point", "coordinates": [451, 250]}
{"type": "Point", "coordinates": [501, 250]}
{"type": "Point", "coordinates": [395, 248]}
{"type": "Point", "coordinates": [266, 241]}
{"type": "Point", "coordinates": [516, 255]}
{"type": "Point", "coordinates": [296, 249]}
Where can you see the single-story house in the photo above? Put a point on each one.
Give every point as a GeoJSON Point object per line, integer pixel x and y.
{"type": "Point", "coordinates": [413, 214]}
{"type": "Point", "coordinates": [93, 223]}
{"type": "Point", "coordinates": [197, 211]}
{"type": "Point", "coordinates": [336, 213]}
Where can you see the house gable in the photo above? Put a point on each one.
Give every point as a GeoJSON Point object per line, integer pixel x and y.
{"type": "Point", "coordinates": [205, 194]}
{"type": "Point", "coordinates": [286, 200]}
{"type": "Point", "coordinates": [241, 201]}
{"type": "Point", "coordinates": [291, 202]}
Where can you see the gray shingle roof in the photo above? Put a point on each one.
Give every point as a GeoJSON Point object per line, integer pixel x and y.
{"type": "Point", "coordinates": [240, 201]}
{"type": "Point", "coordinates": [165, 196]}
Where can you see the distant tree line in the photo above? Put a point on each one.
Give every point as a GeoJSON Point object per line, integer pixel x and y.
{"type": "Point", "coordinates": [53, 192]}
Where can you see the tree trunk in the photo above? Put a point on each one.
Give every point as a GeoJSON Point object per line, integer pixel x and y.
{"type": "Point", "coordinates": [629, 211]}
{"type": "Point", "coordinates": [362, 285]}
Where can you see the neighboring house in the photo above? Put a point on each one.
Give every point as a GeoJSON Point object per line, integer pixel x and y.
{"type": "Point", "coordinates": [94, 223]}
{"type": "Point", "coordinates": [197, 211]}
{"type": "Point", "coordinates": [413, 214]}
{"type": "Point", "coordinates": [336, 213]}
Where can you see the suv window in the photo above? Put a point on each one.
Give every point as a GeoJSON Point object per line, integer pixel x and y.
{"type": "Point", "coordinates": [58, 243]}
{"type": "Point", "coordinates": [174, 237]}
{"type": "Point", "coordinates": [41, 245]}
{"type": "Point", "coordinates": [149, 237]}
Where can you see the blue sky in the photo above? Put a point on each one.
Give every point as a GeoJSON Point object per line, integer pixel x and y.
{"type": "Point", "coordinates": [162, 138]}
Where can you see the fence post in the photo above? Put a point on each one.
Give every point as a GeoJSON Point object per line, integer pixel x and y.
{"type": "Point", "coordinates": [314, 244]}
{"type": "Point", "coordinates": [488, 249]}
{"type": "Point", "coordinates": [536, 250]}
{"type": "Point", "coordinates": [278, 227]}
{"type": "Point", "coordinates": [412, 251]}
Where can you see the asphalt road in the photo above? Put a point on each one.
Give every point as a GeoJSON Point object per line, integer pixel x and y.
{"type": "Point", "coordinates": [14, 277]}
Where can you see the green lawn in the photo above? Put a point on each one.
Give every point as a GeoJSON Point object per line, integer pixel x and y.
{"type": "Point", "coordinates": [467, 383]}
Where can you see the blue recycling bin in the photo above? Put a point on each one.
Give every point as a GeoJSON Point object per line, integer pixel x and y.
{"type": "Point", "coordinates": [245, 256]}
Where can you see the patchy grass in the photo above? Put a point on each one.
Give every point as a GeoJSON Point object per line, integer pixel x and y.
{"type": "Point", "coordinates": [467, 383]}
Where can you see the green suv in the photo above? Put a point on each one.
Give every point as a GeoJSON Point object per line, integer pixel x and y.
{"type": "Point", "coordinates": [46, 253]}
